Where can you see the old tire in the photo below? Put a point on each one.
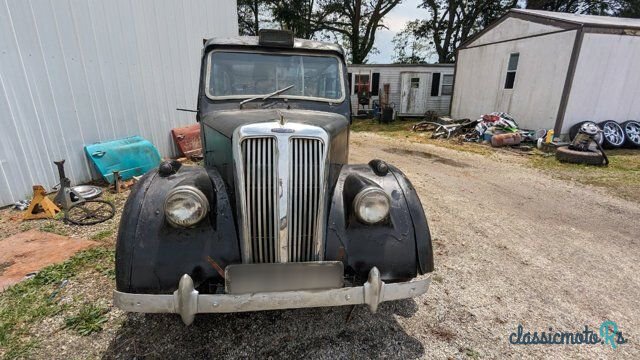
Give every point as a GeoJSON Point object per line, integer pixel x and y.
{"type": "Point", "coordinates": [613, 134]}
{"type": "Point", "coordinates": [565, 154]}
{"type": "Point", "coordinates": [632, 133]}
{"type": "Point", "coordinates": [573, 131]}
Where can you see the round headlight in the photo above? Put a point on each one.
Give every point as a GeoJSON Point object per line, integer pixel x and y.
{"type": "Point", "coordinates": [185, 206]}
{"type": "Point", "coordinates": [371, 205]}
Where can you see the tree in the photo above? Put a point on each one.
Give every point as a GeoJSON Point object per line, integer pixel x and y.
{"type": "Point", "coordinates": [451, 22]}
{"type": "Point", "coordinates": [305, 18]}
{"type": "Point", "coordinates": [588, 7]}
{"type": "Point", "coordinates": [249, 16]}
{"type": "Point", "coordinates": [355, 22]}
{"type": "Point", "coordinates": [629, 8]}
{"type": "Point", "coordinates": [409, 48]}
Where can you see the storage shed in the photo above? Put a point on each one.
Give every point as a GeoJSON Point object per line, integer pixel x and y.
{"type": "Point", "coordinates": [414, 89]}
{"type": "Point", "coordinates": [551, 70]}
{"type": "Point", "coordinates": [73, 73]}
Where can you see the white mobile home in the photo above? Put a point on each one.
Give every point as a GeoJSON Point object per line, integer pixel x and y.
{"type": "Point", "coordinates": [73, 73]}
{"type": "Point", "coordinates": [413, 89]}
{"type": "Point", "coordinates": [551, 70]}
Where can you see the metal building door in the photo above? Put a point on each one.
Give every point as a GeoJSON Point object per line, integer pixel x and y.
{"type": "Point", "coordinates": [413, 99]}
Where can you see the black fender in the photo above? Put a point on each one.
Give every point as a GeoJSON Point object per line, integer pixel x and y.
{"type": "Point", "coordinates": [399, 247]}
{"type": "Point", "coordinates": [151, 255]}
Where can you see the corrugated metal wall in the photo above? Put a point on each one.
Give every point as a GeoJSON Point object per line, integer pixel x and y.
{"type": "Point", "coordinates": [606, 85]}
{"type": "Point", "coordinates": [75, 72]}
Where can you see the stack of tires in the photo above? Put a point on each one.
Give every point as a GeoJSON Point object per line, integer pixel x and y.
{"type": "Point", "coordinates": [614, 135]}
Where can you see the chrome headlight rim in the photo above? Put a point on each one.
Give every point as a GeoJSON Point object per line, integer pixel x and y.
{"type": "Point", "coordinates": [192, 191]}
{"type": "Point", "coordinates": [361, 195]}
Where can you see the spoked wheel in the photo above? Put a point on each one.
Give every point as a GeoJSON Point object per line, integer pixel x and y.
{"type": "Point", "coordinates": [632, 132]}
{"type": "Point", "coordinates": [613, 133]}
{"type": "Point", "coordinates": [90, 212]}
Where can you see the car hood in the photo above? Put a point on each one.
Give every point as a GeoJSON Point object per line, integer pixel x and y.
{"type": "Point", "coordinates": [226, 121]}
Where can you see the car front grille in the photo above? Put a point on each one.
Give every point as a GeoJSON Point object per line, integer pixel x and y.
{"type": "Point", "coordinates": [281, 196]}
{"type": "Point", "coordinates": [259, 157]}
{"type": "Point", "coordinates": [304, 195]}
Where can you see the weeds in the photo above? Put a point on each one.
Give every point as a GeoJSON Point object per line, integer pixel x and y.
{"type": "Point", "coordinates": [53, 227]}
{"type": "Point", "coordinates": [25, 303]}
{"type": "Point", "coordinates": [101, 235]}
{"type": "Point", "coordinates": [402, 129]}
{"type": "Point", "coordinates": [88, 320]}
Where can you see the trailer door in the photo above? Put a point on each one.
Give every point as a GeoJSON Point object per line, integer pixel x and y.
{"type": "Point", "coordinates": [415, 86]}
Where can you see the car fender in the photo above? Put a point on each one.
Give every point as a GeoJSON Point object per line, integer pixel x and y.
{"type": "Point", "coordinates": [152, 255]}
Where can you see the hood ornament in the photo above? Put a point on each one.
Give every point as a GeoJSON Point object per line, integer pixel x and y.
{"type": "Point", "coordinates": [282, 122]}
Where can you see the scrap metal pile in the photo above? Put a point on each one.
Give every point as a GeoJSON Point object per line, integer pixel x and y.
{"type": "Point", "coordinates": [497, 128]}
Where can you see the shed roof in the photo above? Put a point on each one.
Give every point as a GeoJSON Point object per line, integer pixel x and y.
{"type": "Point", "coordinates": [586, 20]}
{"type": "Point", "coordinates": [401, 65]}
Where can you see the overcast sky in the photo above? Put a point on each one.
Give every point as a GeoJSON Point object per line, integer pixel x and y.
{"type": "Point", "coordinates": [407, 10]}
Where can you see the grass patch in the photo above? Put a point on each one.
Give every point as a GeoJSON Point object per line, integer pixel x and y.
{"type": "Point", "coordinates": [53, 227]}
{"type": "Point", "coordinates": [402, 130]}
{"type": "Point", "coordinates": [101, 235]}
{"type": "Point", "coordinates": [32, 300]}
{"type": "Point", "coordinates": [88, 320]}
{"type": "Point", "coordinates": [622, 176]}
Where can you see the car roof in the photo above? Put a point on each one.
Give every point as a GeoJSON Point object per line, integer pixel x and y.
{"type": "Point", "coordinates": [297, 44]}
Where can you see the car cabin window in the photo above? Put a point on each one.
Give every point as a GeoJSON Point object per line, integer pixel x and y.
{"type": "Point", "coordinates": [447, 84]}
{"type": "Point", "coordinates": [242, 75]}
{"type": "Point", "coordinates": [511, 70]}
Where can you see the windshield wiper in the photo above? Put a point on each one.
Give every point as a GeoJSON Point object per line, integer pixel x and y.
{"type": "Point", "coordinates": [265, 97]}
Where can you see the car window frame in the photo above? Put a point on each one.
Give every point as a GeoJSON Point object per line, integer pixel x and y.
{"type": "Point", "coordinates": [281, 96]}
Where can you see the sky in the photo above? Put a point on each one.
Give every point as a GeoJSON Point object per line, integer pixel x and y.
{"type": "Point", "coordinates": [407, 10]}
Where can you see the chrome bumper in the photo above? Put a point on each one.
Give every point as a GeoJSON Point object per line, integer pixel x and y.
{"type": "Point", "coordinates": [187, 302]}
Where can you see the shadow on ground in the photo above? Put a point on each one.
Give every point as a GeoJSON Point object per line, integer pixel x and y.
{"type": "Point", "coordinates": [298, 333]}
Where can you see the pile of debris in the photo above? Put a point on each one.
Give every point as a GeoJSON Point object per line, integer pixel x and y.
{"type": "Point", "coordinates": [496, 128]}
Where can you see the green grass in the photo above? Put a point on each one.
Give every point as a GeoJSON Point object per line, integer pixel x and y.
{"type": "Point", "coordinates": [101, 235]}
{"type": "Point", "coordinates": [53, 227]}
{"type": "Point", "coordinates": [402, 129]}
{"type": "Point", "coordinates": [621, 177]}
{"type": "Point", "coordinates": [32, 300]}
{"type": "Point", "coordinates": [88, 320]}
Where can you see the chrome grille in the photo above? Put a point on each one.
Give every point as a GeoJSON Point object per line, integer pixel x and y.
{"type": "Point", "coordinates": [281, 175]}
{"type": "Point", "coordinates": [306, 170]}
{"type": "Point", "coordinates": [259, 160]}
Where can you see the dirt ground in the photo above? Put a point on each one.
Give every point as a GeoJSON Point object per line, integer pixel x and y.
{"type": "Point", "coordinates": [512, 244]}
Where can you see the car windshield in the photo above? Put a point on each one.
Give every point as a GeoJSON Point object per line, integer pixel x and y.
{"type": "Point", "coordinates": [243, 75]}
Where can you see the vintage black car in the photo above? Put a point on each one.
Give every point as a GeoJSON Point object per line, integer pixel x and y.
{"type": "Point", "coordinates": [276, 218]}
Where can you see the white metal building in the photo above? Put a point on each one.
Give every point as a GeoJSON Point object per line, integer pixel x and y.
{"type": "Point", "coordinates": [77, 72]}
{"type": "Point", "coordinates": [551, 70]}
{"type": "Point", "coordinates": [414, 89]}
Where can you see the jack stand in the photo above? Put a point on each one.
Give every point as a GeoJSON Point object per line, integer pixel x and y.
{"type": "Point", "coordinates": [41, 207]}
{"type": "Point", "coordinates": [117, 181]}
{"type": "Point", "coordinates": [66, 197]}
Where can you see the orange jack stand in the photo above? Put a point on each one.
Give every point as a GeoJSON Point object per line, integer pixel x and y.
{"type": "Point", "coordinates": [41, 207]}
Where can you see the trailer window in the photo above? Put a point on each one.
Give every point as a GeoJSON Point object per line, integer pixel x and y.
{"type": "Point", "coordinates": [415, 83]}
{"type": "Point", "coordinates": [511, 70]}
{"type": "Point", "coordinates": [447, 85]}
{"type": "Point", "coordinates": [362, 83]}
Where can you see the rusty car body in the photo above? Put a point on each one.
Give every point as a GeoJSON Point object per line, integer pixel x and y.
{"type": "Point", "coordinates": [276, 218]}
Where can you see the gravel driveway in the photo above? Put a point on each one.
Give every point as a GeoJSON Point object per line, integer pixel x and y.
{"type": "Point", "coordinates": [513, 246]}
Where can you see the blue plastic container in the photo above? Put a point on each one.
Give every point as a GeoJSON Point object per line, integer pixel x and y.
{"type": "Point", "coordinates": [132, 156]}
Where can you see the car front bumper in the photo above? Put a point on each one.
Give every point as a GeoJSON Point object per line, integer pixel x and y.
{"type": "Point", "coordinates": [187, 302]}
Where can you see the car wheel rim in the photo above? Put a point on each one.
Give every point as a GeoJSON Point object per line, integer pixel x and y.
{"type": "Point", "coordinates": [633, 132]}
{"type": "Point", "coordinates": [613, 133]}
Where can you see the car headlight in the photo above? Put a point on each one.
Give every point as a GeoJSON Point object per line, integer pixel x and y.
{"type": "Point", "coordinates": [185, 206]}
{"type": "Point", "coordinates": [371, 205]}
